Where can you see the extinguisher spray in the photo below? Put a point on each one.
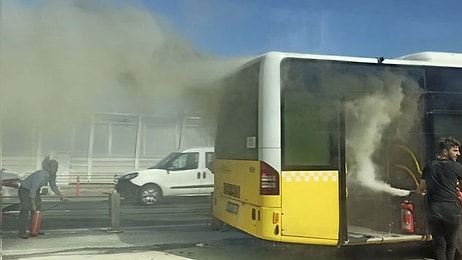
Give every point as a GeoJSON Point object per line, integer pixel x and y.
{"type": "Point", "coordinates": [35, 224]}
{"type": "Point", "coordinates": [407, 217]}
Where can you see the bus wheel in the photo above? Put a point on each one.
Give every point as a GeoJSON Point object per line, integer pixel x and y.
{"type": "Point", "coordinates": [216, 224]}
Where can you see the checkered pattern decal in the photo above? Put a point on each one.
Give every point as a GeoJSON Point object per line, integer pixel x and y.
{"type": "Point", "coordinates": [310, 176]}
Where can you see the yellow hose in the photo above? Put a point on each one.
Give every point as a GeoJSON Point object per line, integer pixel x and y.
{"type": "Point", "coordinates": [413, 157]}
{"type": "Point", "coordinates": [410, 173]}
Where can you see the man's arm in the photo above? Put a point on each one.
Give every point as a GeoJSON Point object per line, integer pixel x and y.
{"type": "Point", "coordinates": [422, 187]}
{"type": "Point", "coordinates": [459, 172]}
{"type": "Point", "coordinates": [55, 189]}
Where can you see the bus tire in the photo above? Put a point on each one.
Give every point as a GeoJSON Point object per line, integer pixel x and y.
{"type": "Point", "coordinates": [216, 224]}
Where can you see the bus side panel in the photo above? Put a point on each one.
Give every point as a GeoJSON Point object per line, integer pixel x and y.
{"type": "Point", "coordinates": [234, 213]}
{"type": "Point", "coordinates": [310, 204]}
{"type": "Point", "coordinates": [237, 199]}
{"type": "Point", "coordinates": [240, 180]}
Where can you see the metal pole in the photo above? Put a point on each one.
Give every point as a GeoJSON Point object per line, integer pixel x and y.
{"type": "Point", "coordinates": [90, 148]}
{"type": "Point", "coordinates": [114, 210]}
{"type": "Point", "coordinates": [138, 142]}
{"type": "Point", "coordinates": [181, 133]}
{"type": "Point", "coordinates": [77, 187]}
{"type": "Point", "coordinates": [2, 94]}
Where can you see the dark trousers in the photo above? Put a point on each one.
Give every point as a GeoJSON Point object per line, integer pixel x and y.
{"type": "Point", "coordinates": [26, 206]}
{"type": "Point", "coordinates": [443, 220]}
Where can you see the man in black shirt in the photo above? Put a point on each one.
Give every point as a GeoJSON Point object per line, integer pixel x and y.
{"type": "Point", "coordinates": [439, 183]}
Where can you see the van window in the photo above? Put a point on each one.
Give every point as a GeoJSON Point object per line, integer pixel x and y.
{"type": "Point", "coordinates": [185, 161]}
{"type": "Point", "coordinates": [209, 158]}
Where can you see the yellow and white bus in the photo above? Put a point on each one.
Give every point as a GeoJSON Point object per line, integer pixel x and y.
{"type": "Point", "coordinates": [318, 149]}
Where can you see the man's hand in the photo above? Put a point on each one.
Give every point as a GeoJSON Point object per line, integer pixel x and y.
{"type": "Point", "coordinates": [33, 207]}
{"type": "Point", "coordinates": [422, 187]}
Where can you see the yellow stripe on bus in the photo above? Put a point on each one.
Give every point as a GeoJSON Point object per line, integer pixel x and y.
{"type": "Point", "coordinates": [310, 176]}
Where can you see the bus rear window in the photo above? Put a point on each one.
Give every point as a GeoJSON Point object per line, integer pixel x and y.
{"type": "Point", "coordinates": [307, 131]}
{"type": "Point", "coordinates": [238, 117]}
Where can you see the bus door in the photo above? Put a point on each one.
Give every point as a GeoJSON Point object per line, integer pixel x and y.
{"type": "Point", "coordinates": [310, 204]}
{"type": "Point", "coordinates": [311, 181]}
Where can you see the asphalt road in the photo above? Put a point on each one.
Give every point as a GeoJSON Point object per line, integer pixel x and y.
{"type": "Point", "coordinates": [253, 248]}
{"type": "Point", "coordinates": [93, 213]}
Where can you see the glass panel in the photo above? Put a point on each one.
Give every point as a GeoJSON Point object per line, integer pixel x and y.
{"type": "Point", "coordinates": [306, 130]}
{"type": "Point", "coordinates": [18, 139]}
{"type": "Point", "coordinates": [186, 161]}
{"type": "Point", "coordinates": [380, 102]}
{"type": "Point", "coordinates": [81, 137]}
{"type": "Point", "coordinates": [238, 117]}
{"type": "Point", "coordinates": [192, 136]}
{"type": "Point", "coordinates": [101, 139]}
{"type": "Point", "coordinates": [446, 125]}
{"type": "Point", "coordinates": [192, 161]}
{"type": "Point", "coordinates": [209, 158]}
{"type": "Point", "coordinates": [443, 79]}
{"type": "Point", "coordinates": [56, 138]}
{"type": "Point", "coordinates": [180, 162]}
{"type": "Point", "coordinates": [448, 102]}
{"type": "Point", "coordinates": [123, 139]}
{"type": "Point", "coordinates": [158, 140]}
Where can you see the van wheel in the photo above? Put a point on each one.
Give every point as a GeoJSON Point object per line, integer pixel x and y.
{"type": "Point", "coordinates": [149, 194]}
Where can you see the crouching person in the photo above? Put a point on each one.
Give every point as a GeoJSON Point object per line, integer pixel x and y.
{"type": "Point", "coordinates": [29, 192]}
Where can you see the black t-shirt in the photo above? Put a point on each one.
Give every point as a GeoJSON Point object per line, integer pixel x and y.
{"type": "Point", "coordinates": [441, 180]}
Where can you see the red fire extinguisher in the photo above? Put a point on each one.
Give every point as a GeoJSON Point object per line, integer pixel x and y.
{"type": "Point", "coordinates": [459, 196]}
{"type": "Point", "coordinates": [407, 217]}
{"type": "Point", "coordinates": [35, 225]}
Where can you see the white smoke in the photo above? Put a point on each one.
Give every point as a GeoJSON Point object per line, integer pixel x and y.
{"type": "Point", "coordinates": [60, 59]}
{"type": "Point", "coordinates": [368, 118]}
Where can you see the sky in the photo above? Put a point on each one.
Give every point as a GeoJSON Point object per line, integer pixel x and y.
{"type": "Point", "coordinates": [367, 28]}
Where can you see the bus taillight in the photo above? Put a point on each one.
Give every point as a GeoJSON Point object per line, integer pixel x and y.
{"type": "Point", "coordinates": [269, 180]}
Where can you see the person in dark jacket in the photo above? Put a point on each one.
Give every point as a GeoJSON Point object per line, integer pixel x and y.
{"type": "Point", "coordinates": [439, 184]}
{"type": "Point", "coordinates": [29, 192]}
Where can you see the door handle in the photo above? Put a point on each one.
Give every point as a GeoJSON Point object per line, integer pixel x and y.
{"type": "Point", "coordinates": [203, 175]}
{"type": "Point", "coordinates": [198, 175]}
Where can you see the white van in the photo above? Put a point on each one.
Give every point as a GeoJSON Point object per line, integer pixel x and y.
{"type": "Point", "coordinates": [181, 173]}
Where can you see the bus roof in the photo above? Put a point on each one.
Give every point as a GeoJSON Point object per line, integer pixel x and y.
{"type": "Point", "coordinates": [434, 57]}
{"type": "Point", "coordinates": [421, 58]}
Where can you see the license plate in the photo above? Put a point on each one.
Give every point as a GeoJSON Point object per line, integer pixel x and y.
{"type": "Point", "coordinates": [232, 207]}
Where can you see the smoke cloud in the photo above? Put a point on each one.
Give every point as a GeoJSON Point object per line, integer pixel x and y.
{"type": "Point", "coordinates": [369, 117]}
{"type": "Point", "coordinates": [64, 59]}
